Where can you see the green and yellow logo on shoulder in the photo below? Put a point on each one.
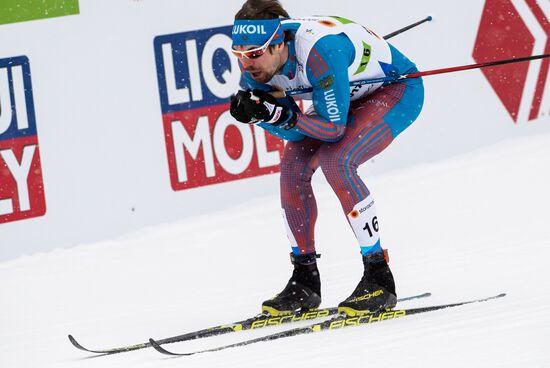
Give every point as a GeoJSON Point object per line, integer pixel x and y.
{"type": "Point", "coordinates": [15, 11]}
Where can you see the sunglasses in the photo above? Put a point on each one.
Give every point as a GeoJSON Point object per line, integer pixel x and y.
{"type": "Point", "coordinates": [258, 51]}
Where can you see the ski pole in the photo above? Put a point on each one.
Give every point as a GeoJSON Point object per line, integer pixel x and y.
{"type": "Point", "coordinates": [401, 30]}
{"type": "Point", "coordinates": [400, 77]}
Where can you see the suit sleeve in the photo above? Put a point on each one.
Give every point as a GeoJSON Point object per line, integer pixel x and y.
{"type": "Point", "coordinates": [327, 70]}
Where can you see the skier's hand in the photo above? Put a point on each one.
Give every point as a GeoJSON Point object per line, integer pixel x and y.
{"type": "Point", "coordinates": [260, 106]}
{"type": "Point", "coordinates": [237, 108]}
{"type": "Point", "coordinates": [263, 106]}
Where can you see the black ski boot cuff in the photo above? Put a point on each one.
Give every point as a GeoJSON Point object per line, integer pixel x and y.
{"type": "Point", "coordinates": [378, 258]}
{"type": "Point", "coordinates": [304, 259]}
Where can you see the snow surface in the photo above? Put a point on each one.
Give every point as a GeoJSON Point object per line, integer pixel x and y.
{"type": "Point", "coordinates": [467, 227]}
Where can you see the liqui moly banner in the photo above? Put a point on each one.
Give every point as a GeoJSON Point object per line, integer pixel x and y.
{"type": "Point", "coordinates": [21, 184]}
{"type": "Point", "coordinates": [196, 76]}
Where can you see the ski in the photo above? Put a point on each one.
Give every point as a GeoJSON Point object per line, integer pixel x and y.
{"type": "Point", "coordinates": [338, 322]}
{"type": "Point", "coordinates": [259, 321]}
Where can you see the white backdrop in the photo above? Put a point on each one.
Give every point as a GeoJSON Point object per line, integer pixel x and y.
{"type": "Point", "coordinates": [99, 120]}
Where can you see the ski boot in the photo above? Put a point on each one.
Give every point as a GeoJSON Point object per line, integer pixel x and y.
{"type": "Point", "coordinates": [375, 291]}
{"type": "Point", "coordinates": [303, 290]}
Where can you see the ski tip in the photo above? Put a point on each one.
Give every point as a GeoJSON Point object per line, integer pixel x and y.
{"type": "Point", "coordinates": [501, 295]}
{"type": "Point", "coordinates": [76, 344]}
{"type": "Point", "coordinates": [159, 348]}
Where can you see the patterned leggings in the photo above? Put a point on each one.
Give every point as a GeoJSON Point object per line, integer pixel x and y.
{"type": "Point", "coordinates": [373, 124]}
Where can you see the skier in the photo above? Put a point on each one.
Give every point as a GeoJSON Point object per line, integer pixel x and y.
{"type": "Point", "coordinates": [345, 127]}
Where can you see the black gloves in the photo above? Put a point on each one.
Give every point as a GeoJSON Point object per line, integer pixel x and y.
{"type": "Point", "coordinates": [251, 107]}
{"type": "Point", "coordinates": [237, 107]}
